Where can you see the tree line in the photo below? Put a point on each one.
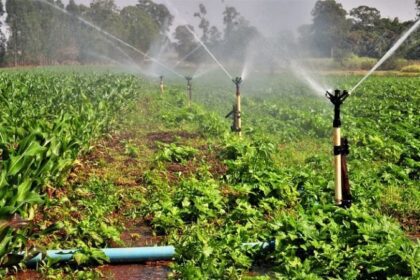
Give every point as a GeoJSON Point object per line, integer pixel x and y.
{"type": "Point", "coordinates": [40, 34]}
{"type": "Point", "coordinates": [336, 33]}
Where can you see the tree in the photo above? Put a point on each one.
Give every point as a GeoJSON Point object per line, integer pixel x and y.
{"type": "Point", "coordinates": [214, 36]}
{"type": "Point", "coordinates": [364, 36]}
{"type": "Point", "coordinates": [141, 29]}
{"type": "Point", "coordinates": [26, 31]}
{"type": "Point", "coordinates": [185, 42]}
{"type": "Point", "coordinates": [418, 8]}
{"type": "Point", "coordinates": [329, 27]}
{"type": "Point", "coordinates": [204, 23]}
{"type": "Point", "coordinates": [158, 12]}
{"type": "Point", "coordinates": [73, 8]}
{"type": "Point", "coordinates": [365, 17]}
{"type": "Point", "coordinates": [2, 37]}
{"type": "Point", "coordinates": [104, 13]}
{"type": "Point", "coordinates": [230, 20]}
{"type": "Point", "coordinates": [238, 33]}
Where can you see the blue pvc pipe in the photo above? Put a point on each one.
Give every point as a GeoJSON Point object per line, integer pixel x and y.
{"type": "Point", "coordinates": [129, 255]}
{"type": "Point", "coordinates": [115, 255]}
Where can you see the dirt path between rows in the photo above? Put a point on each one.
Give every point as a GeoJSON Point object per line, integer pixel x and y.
{"type": "Point", "coordinates": [111, 161]}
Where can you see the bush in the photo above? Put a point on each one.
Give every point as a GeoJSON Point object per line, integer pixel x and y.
{"type": "Point", "coordinates": [359, 63]}
{"type": "Point", "coordinates": [352, 62]}
{"type": "Point", "coordinates": [394, 64]}
{"type": "Point", "coordinates": [415, 68]}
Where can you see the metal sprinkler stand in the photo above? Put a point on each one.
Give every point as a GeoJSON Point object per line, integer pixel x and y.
{"type": "Point", "coordinates": [236, 111]}
{"type": "Point", "coordinates": [161, 84]}
{"type": "Point", "coordinates": [341, 150]}
{"type": "Point", "coordinates": [189, 89]}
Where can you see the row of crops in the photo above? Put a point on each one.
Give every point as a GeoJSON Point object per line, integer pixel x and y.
{"type": "Point", "coordinates": [211, 192]}
{"type": "Point", "coordinates": [278, 185]}
{"type": "Point", "coordinates": [47, 120]}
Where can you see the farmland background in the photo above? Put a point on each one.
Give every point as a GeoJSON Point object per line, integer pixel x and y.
{"type": "Point", "coordinates": [96, 153]}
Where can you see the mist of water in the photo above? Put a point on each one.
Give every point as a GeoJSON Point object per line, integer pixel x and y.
{"type": "Point", "coordinates": [109, 35]}
{"type": "Point", "coordinates": [204, 70]}
{"type": "Point", "coordinates": [245, 70]}
{"type": "Point", "coordinates": [128, 59]}
{"type": "Point", "coordinates": [157, 50]}
{"type": "Point", "coordinates": [306, 77]}
{"type": "Point", "coordinates": [391, 51]}
{"type": "Point", "coordinates": [193, 51]}
{"type": "Point", "coordinates": [197, 38]}
{"type": "Point", "coordinates": [102, 57]}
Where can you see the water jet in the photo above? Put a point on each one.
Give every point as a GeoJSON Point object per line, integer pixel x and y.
{"type": "Point", "coordinates": [389, 53]}
{"type": "Point", "coordinates": [110, 36]}
{"type": "Point", "coordinates": [197, 38]}
{"type": "Point", "coordinates": [187, 56]}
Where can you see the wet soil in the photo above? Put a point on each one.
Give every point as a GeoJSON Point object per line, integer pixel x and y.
{"type": "Point", "coordinates": [168, 137]}
{"type": "Point", "coordinates": [109, 160]}
{"type": "Point", "coordinates": [147, 271]}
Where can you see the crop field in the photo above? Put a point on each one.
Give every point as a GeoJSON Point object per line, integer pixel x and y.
{"type": "Point", "coordinates": [96, 160]}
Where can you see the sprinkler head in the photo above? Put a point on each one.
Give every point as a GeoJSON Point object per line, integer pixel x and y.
{"type": "Point", "coordinates": [188, 78]}
{"type": "Point", "coordinates": [337, 98]}
{"type": "Point", "coordinates": [161, 78]}
{"type": "Point", "coordinates": [237, 81]}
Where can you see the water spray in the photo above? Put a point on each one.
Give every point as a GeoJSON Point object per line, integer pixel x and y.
{"type": "Point", "coordinates": [162, 87]}
{"type": "Point", "coordinates": [197, 38]}
{"type": "Point", "coordinates": [341, 150]}
{"type": "Point", "coordinates": [187, 56]}
{"type": "Point", "coordinates": [389, 53]}
{"type": "Point", "coordinates": [189, 89]}
{"type": "Point", "coordinates": [109, 36]}
{"type": "Point", "coordinates": [236, 110]}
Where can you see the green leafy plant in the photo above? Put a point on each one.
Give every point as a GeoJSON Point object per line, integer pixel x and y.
{"type": "Point", "coordinates": [174, 153]}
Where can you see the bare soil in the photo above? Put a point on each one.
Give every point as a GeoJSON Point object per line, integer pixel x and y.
{"type": "Point", "coordinates": [109, 161]}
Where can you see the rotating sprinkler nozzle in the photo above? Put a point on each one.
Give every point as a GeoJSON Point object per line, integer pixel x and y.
{"type": "Point", "coordinates": [237, 81]}
{"type": "Point", "coordinates": [236, 110]}
{"type": "Point", "coordinates": [161, 84]}
{"type": "Point", "coordinates": [341, 150]}
{"type": "Point", "coordinates": [189, 89]}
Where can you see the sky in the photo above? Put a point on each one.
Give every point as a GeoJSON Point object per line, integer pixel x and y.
{"type": "Point", "coordinates": [272, 16]}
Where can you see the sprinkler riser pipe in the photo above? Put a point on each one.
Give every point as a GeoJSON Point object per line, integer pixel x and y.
{"type": "Point", "coordinates": [162, 87]}
{"type": "Point", "coordinates": [337, 98]}
{"type": "Point", "coordinates": [189, 89]}
{"type": "Point", "coordinates": [238, 121]}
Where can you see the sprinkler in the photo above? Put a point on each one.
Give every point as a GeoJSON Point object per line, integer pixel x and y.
{"type": "Point", "coordinates": [236, 111]}
{"type": "Point", "coordinates": [341, 150]}
{"type": "Point", "coordinates": [161, 84]}
{"type": "Point", "coordinates": [189, 89]}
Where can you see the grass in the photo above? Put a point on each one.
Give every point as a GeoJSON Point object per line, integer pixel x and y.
{"type": "Point", "coordinates": [411, 69]}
